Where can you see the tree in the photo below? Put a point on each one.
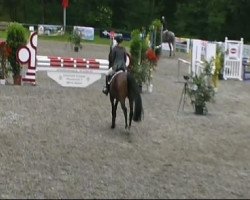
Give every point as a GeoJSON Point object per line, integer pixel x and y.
{"type": "Point", "coordinates": [204, 19]}
{"type": "Point", "coordinates": [191, 19]}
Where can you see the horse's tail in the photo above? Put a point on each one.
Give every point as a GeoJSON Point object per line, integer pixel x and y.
{"type": "Point", "coordinates": [133, 92]}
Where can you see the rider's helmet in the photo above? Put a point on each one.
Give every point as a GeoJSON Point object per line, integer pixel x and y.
{"type": "Point", "coordinates": [119, 38]}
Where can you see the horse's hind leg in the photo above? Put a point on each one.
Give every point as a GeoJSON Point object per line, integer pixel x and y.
{"type": "Point", "coordinates": [114, 108]}
{"type": "Point", "coordinates": [124, 112]}
{"type": "Point", "coordinates": [131, 111]}
{"type": "Point", "coordinates": [170, 49]}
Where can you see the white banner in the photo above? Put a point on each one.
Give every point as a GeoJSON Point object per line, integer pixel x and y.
{"type": "Point", "coordinates": [73, 79]}
{"type": "Point", "coordinates": [87, 33]}
{"type": "Point", "coordinates": [50, 29]}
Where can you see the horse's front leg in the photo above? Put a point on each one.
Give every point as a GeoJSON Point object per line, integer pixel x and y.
{"type": "Point", "coordinates": [114, 108]}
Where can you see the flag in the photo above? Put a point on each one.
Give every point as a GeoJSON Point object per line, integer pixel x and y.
{"type": "Point", "coordinates": [65, 3]}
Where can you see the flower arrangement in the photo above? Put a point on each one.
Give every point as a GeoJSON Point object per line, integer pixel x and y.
{"type": "Point", "coordinates": [5, 52]}
{"type": "Point", "coordinates": [151, 56]}
{"type": "Point", "coordinates": [152, 59]}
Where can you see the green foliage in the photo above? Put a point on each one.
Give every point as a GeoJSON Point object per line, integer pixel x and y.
{"type": "Point", "coordinates": [192, 19]}
{"type": "Point", "coordinates": [75, 38]}
{"type": "Point", "coordinates": [156, 25]}
{"type": "Point", "coordinates": [103, 16]}
{"type": "Point", "coordinates": [4, 53]}
{"type": "Point", "coordinates": [213, 19]}
{"type": "Point", "coordinates": [141, 72]}
{"type": "Point", "coordinates": [155, 29]}
{"type": "Point", "coordinates": [141, 66]}
{"type": "Point", "coordinates": [209, 20]}
{"type": "Point", "coordinates": [138, 47]}
{"type": "Point", "coordinates": [200, 89]}
{"type": "Point", "coordinates": [16, 37]}
{"type": "Point", "coordinates": [219, 61]}
{"type": "Point", "coordinates": [216, 20]}
{"type": "Point", "coordinates": [135, 46]}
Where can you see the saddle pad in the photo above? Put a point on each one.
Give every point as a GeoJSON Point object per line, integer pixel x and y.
{"type": "Point", "coordinates": [118, 72]}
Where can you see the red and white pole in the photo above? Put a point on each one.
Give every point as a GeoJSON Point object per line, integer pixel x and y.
{"type": "Point", "coordinates": [65, 4]}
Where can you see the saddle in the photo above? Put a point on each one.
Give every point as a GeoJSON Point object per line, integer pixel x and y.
{"type": "Point", "coordinates": [111, 77]}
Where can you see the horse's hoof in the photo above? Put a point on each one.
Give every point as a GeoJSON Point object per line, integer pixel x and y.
{"type": "Point", "coordinates": [113, 126]}
{"type": "Point", "coordinates": [127, 131]}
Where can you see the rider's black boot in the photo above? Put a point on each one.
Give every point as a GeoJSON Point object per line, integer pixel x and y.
{"type": "Point", "coordinates": [106, 88]}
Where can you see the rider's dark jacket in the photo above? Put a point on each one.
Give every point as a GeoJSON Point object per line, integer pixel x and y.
{"type": "Point", "coordinates": [118, 58]}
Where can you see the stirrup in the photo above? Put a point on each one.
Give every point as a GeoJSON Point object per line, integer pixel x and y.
{"type": "Point", "coordinates": [105, 90]}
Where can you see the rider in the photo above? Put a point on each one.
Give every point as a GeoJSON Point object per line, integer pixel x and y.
{"type": "Point", "coordinates": [117, 61]}
{"type": "Point", "coordinates": [164, 23]}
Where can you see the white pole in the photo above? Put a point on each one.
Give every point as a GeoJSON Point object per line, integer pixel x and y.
{"type": "Point", "coordinates": [64, 19]}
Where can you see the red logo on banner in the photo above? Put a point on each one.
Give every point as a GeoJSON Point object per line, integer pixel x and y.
{"type": "Point", "coordinates": [65, 3]}
{"type": "Point", "coordinates": [233, 51]}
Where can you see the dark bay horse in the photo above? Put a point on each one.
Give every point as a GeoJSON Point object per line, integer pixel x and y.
{"type": "Point", "coordinates": [169, 37]}
{"type": "Point", "coordinates": [122, 86]}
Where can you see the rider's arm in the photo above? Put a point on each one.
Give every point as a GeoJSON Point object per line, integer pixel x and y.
{"type": "Point", "coordinates": [113, 55]}
{"type": "Point", "coordinates": [125, 55]}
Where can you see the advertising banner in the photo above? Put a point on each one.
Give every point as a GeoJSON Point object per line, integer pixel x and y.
{"type": "Point", "coordinates": [51, 30]}
{"type": "Point", "coordinates": [87, 33]}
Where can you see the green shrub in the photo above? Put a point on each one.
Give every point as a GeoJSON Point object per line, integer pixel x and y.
{"type": "Point", "coordinates": [139, 63]}
{"type": "Point", "coordinates": [155, 28]}
{"type": "Point", "coordinates": [16, 37]}
{"type": "Point", "coordinates": [135, 47]}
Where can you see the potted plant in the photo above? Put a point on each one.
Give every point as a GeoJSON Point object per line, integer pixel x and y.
{"type": "Point", "coordinates": [75, 39]}
{"type": "Point", "coordinates": [16, 37]}
{"type": "Point", "coordinates": [200, 89]}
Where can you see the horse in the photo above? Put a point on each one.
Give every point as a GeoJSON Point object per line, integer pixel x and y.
{"type": "Point", "coordinates": [122, 86]}
{"type": "Point", "coordinates": [169, 37]}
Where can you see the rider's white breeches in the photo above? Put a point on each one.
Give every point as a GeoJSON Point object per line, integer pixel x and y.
{"type": "Point", "coordinates": [110, 71]}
